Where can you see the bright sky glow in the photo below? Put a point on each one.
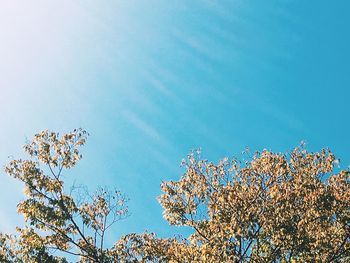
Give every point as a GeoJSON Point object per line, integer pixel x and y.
{"type": "Point", "coordinates": [151, 80]}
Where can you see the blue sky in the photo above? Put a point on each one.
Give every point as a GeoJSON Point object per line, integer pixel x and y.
{"type": "Point", "coordinates": [151, 80]}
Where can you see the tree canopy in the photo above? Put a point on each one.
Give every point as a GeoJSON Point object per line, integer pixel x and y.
{"type": "Point", "coordinates": [57, 219]}
{"type": "Point", "coordinates": [273, 207]}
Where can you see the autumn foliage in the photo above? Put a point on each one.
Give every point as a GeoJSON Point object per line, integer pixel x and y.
{"type": "Point", "coordinates": [59, 219]}
{"type": "Point", "coordinates": [273, 207]}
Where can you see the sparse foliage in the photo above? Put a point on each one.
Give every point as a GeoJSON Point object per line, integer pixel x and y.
{"type": "Point", "coordinates": [57, 220]}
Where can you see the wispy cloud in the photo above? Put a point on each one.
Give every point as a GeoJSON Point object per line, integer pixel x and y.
{"type": "Point", "coordinates": [142, 125]}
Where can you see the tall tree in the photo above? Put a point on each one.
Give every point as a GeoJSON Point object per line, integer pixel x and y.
{"type": "Point", "coordinates": [271, 208]}
{"type": "Point", "coordinates": [57, 220]}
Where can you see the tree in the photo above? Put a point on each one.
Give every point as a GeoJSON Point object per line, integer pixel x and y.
{"type": "Point", "coordinates": [71, 222]}
{"type": "Point", "coordinates": [272, 208]}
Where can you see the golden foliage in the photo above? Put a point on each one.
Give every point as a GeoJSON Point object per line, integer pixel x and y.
{"type": "Point", "coordinates": [272, 207]}
{"type": "Point", "coordinates": [73, 222]}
